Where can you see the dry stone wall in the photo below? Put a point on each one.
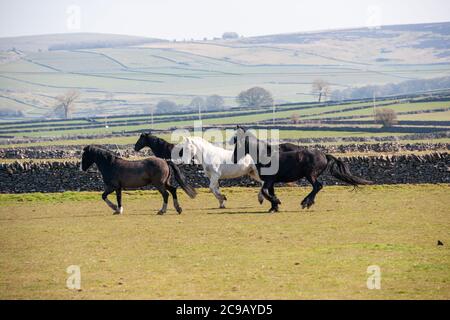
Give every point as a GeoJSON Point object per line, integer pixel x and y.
{"type": "Point", "coordinates": [53, 176]}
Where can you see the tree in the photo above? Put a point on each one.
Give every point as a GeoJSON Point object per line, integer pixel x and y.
{"type": "Point", "coordinates": [295, 118]}
{"type": "Point", "coordinates": [66, 103]}
{"type": "Point", "coordinates": [198, 103]}
{"type": "Point", "coordinates": [386, 117]}
{"type": "Point", "coordinates": [392, 89]}
{"type": "Point", "coordinates": [230, 35]}
{"type": "Point", "coordinates": [255, 97]}
{"type": "Point", "coordinates": [149, 110]}
{"type": "Point", "coordinates": [166, 106]}
{"type": "Point", "coordinates": [321, 88]}
{"type": "Point", "coordinates": [214, 102]}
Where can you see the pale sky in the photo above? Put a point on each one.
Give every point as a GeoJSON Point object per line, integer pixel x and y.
{"type": "Point", "coordinates": [179, 19]}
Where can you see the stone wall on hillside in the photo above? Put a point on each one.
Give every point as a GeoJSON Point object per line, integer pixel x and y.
{"type": "Point", "coordinates": [67, 152]}
{"type": "Point", "coordinates": [55, 176]}
{"type": "Point", "coordinates": [376, 138]}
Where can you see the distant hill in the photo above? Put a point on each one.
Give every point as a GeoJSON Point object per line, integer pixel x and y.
{"type": "Point", "coordinates": [71, 41]}
{"type": "Point", "coordinates": [430, 31]}
{"type": "Point", "coordinates": [117, 74]}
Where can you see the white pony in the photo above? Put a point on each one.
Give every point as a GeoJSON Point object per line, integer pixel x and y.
{"type": "Point", "coordinates": [217, 164]}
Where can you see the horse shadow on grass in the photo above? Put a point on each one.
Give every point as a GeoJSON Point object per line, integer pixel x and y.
{"type": "Point", "coordinates": [100, 215]}
{"type": "Point", "coordinates": [221, 212]}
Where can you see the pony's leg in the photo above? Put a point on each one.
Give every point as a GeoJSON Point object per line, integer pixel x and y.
{"type": "Point", "coordinates": [276, 200]}
{"type": "Point", "coordinates": [119, 209]}
{"type": "Point", "coordinates": [165, 196]}
{"type": "Point", "coordinates": [255, 176]}
{"type": "Point", "coordinates": [214, 187]}
{"type": "Point", "coordinates": [109, 190]}
{"type": "Point", "coordinates": [309, 199]}
{"type": "Point", "coordinates": [269, 193]}
{"type": "Point", "coordinates": [260, 197]}
{"type": "Point", "coordinates": [173, 191]}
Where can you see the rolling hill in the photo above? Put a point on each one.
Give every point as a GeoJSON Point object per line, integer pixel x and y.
{"type": "Point", "coordinates": [123, 74]}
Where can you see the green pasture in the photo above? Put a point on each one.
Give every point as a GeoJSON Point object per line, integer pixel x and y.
{"type": "Point", "coordinates": [240, 252]}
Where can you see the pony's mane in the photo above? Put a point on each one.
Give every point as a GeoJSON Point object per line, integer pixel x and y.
{"type": "Point", "coordinates": [251, 139]}
{"type": "Point", "coordinates": [197, 140]}
{"type": "Point", "coordinates": [157, 140]}
{"type": "Point", "coordinates": [103, 153]}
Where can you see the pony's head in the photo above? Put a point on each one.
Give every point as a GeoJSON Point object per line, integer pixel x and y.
{"type": "Point", "coordinates": [87, 158]}
{"type": "Point", "coordinates": [239, 130]}
{"type": "Point", "coordinates": [247, 143]}
{"type": "Point", "coordinates": [142, 141]}
{"type": "Point", "coordinates": [189, 150]}
{"type": "Point", "coordinates": [240, 141]}
{"type": "Point", "coordinates": [92, 154]}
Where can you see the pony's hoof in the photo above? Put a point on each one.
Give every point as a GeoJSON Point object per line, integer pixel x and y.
{"type": "Point", "coordinates": [118, 211]}
{"type": "Point", "coordinates": [222, 206]}
{"type": "Point", "coordinates": [260, 198]}
{"type": "Point", "coordinates": [179, 210]}
{"type": "Point", "coordinates": [307, 204]}
{"type": "Point", "coordinates": [160, 212]}
{"type": "Point", "coordinates": [277, 201]}
{"type": "Point", "coordinates": [273, 210]}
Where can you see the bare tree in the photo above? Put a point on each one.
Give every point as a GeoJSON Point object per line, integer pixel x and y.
{"type": "Point", "coordinates": [66, 103]}
{"type": "Point", "coordinates": [255, 97]}
{"type": "Point", "coordinates": [214, 102]}
{"type": "Point", "coordinates": [386, 117]}
{"type": "Point", "coordinates": [321, 88]}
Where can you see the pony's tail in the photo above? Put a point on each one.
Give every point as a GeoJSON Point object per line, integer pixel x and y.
{"type": "Point", "coordinates": [341, 171]}
{"type": "Point", "coordinates": [181, 179]}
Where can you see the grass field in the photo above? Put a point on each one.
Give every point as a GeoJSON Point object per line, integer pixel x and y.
{"type": "Point", "coordinates": [74, 127]}
{"type": "Point", "coordinates": [238, 252]}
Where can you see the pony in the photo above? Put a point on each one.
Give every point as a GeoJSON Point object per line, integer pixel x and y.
{"type": "Point", "coordinates": [160, 147]}
{"type": "Point", "coordinates": [217, 164]}
{"type": "Point", "coordinates": [292, 166]}
{"type": "Point", "coordinates": [118, 174]}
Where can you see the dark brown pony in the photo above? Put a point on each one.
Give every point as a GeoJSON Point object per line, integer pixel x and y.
{"type": "Point", "coordinates": [160, 147]}
{"type": "Point", "coordinates": [121, 174]}
{"type": "Point", "coordinates": [292, 166]}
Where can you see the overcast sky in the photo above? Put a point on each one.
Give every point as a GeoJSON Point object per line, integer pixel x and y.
{"type": "Point", "coordinates": [179, 19]}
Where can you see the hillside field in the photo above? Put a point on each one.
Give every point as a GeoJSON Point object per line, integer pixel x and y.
{"type": "Point", "coordinates": [132, 73]}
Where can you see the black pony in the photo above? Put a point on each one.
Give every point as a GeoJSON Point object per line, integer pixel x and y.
{"type": "Point", "coordinates": [121, 174]}
{"type": "Point", "coordinates": [160, 147]}
{"type": "Point", "coordinates": [292, 166]}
